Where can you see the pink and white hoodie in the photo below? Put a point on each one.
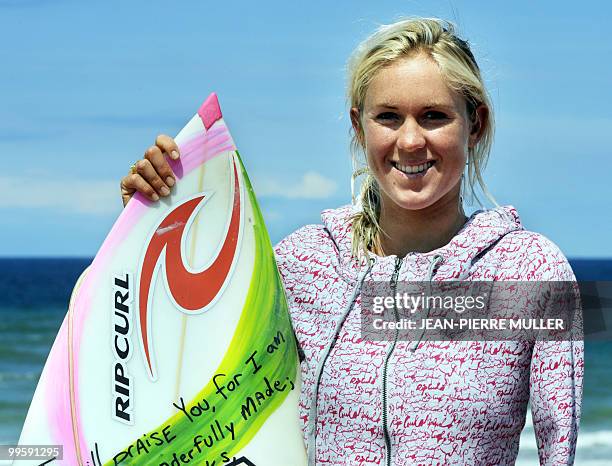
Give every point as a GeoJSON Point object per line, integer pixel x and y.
{"type": "Point", "coordinates": [427, 402]}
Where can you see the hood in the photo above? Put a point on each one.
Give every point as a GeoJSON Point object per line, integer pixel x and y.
{"type": "Point", "coordinates": [483, 229]}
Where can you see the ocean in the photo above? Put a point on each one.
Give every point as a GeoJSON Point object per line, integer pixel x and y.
{"type": "Point", "coordinates": [35, 295]}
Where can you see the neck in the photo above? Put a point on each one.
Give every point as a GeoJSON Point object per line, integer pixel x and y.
{"type": "Point", "coordinates": [421, 230]}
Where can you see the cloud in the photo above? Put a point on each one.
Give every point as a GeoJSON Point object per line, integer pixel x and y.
{"type": "Point", "coordinates": [102, 197]}
{"type": "Point", "coordinates": [95, 197]}
{"type": "Point", "coordinates": [271, 214]}
{"type": "Point", "coordinates": [312, 185]}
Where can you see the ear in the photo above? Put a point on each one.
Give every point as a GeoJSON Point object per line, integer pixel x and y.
{"type": "Point", "coordinates": [355, 120]}
{"type": "Point", "coordinates": [357, 128]}
{"type": "Point", "coordinates": [481, 114]}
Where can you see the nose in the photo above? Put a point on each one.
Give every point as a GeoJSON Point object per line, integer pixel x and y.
{"type": "Point", "coordinates": [410, 136]}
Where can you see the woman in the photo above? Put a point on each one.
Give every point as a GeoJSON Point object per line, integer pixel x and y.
{"type": "Point", "coordinates": [420, 113]}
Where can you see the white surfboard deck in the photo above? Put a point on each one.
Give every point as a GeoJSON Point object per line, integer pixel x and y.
{"type": "Point", "coordinates": [177, 340]}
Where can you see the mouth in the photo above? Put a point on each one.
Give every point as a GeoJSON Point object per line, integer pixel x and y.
{"type": "Point", "coordinates": [414, 170]}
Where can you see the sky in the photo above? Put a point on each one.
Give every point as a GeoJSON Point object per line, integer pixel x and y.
{"type": "Point", "coordinates": [86, 86]}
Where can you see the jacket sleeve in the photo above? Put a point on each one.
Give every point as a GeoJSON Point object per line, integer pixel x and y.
{"type": "Point", "coordinates": [292, 254]}
{"type": "Point", "coordinates": [557, 369]}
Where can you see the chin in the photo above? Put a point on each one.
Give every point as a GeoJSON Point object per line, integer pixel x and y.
{"type": "Point", "coordinates": [412, 203]}
{"type": "Point", "coordinates": [419, 200]}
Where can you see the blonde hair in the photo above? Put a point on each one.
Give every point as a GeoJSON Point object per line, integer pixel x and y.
{"type": "Point", "coordinates": [457, 64]}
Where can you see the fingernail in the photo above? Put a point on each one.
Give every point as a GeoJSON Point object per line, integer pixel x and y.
{"type": "Point", "coordinates": [165, 191]}
{"type": "Point", "coordinates": [155, 197]}
{"type": "Point", "coordinates": [174, 155]}
{"type": "Point", "coordinates": [170, 181]}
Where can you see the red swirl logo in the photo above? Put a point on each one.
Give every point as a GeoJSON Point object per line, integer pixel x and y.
{"type": "Point", "coordinates": [191, 291]}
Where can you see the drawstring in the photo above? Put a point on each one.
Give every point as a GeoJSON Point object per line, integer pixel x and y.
{"type": "Point", "coordinates": [311, 429]}
{"type": "Point", "coordinates": [437, 259]}
{"type": "Point", "coordinates": [312, 417]}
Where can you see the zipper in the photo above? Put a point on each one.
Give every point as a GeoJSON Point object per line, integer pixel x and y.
{"type": "Point", "coordinates": [394, 277]}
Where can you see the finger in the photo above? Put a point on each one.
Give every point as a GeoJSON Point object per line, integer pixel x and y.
{"type": "Point", "coordinates": [145, 169]}
{"type": "Point", "coordinates": [136, 183]}
{"type": "Point", "coordinates": [154, 155]}
{"type": "Point", "coordinates": [126, 191]}
{"type": "Point", "coordinates": [168, 145]}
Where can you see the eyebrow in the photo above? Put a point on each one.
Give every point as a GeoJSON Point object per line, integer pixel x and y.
{"type": "Point", "coordinates": [427, 107]}
{"type": "Point", "coordinates": [386, 105]}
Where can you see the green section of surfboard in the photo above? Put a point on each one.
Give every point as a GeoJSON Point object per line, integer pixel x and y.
{"type": "Point", "coordinates": [264, 315]}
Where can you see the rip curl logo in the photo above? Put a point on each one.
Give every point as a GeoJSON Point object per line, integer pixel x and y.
{"type": "Point", "coordinates": [191, 291]}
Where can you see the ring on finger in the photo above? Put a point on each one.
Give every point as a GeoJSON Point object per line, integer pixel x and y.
{"type": "Point", "coordinates": [133, 169]}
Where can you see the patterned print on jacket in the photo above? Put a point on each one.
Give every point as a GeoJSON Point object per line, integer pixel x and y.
{"type": "Point", "coordinates": [447, 403]}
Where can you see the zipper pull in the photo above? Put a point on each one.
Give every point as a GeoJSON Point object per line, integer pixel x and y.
{"type": "Point", "coordinates": [395, 276]}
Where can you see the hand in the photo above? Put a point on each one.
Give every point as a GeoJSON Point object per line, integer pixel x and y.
{"type": "Point", "coordinates": [152, 175]}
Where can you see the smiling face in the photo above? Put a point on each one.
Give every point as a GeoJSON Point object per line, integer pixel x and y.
{"type": "Point", "coordinates": [416, 133]}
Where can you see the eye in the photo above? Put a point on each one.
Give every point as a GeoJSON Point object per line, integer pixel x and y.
{"type": "Point", "coordinates": [434, 115]}
{"type": "Point", "coordinates": [387, 116]}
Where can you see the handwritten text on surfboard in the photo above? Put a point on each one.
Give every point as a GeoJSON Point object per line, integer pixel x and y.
{"type": "Point", "coordinates": [169, 446]}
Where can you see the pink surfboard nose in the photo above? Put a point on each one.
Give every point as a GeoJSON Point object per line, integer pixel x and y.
{"type": "Point", "coordinates": [210, 111]}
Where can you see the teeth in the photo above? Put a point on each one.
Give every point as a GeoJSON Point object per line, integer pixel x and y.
{"type": "Point", "coordinates": [412, 170]}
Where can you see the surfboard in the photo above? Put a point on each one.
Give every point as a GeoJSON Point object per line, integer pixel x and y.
{"type": "Point", "coordinates": [177, 346]}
